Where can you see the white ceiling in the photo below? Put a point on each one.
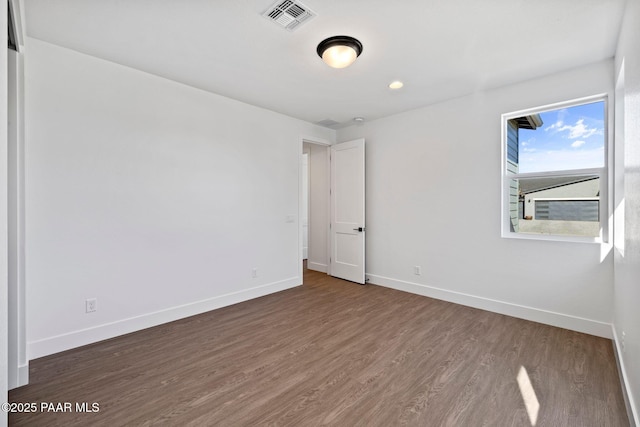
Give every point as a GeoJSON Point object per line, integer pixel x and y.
{"type": "Point", "coordinates": [440, 49]}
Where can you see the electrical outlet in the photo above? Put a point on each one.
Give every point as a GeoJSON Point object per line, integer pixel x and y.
{"type": "Point", "coordinates": [91, 305]}
{"type": "Point", "coordinates": [254, 272]}
{"type": "Point", "coordinates": [417, 270]}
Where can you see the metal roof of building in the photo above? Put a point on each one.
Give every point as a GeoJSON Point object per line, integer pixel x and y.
{"type": "Point", "coordinates": [531, 185]}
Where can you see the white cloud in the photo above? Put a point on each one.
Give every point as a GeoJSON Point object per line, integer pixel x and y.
{"type": "Point", "coordinates": [528, 141]}
{"type": "Point", "coordinates": [577, 144]}
{"type": "Point", "coordinates": [579, 130]}
{"type": "Point", "coordinates": [559, 122]}
{"type": "Point", "coordinates": [556, 125]}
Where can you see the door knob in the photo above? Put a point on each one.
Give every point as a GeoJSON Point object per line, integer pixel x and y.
{"type": "Point", "coordinates": [359, 229]}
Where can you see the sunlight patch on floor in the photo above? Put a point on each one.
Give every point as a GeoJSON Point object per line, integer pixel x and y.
{"type": "Point", "coordinates": [528, 395]}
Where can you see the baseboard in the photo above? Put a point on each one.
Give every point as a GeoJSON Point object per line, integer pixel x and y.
{"type": "Point", "coordinates": [632, 411]}
{"type": "Point", "coordinates": [22, 377]}
{"type": "Point", "coordinates": [574, 323]}
{"type": "Point", "coordinates": [315, 266]}
{"type": "Point", "coordinates": [91, 335]}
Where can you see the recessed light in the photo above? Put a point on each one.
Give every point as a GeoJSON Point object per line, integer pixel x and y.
{"type": "Point", "coordinates": [396, 84]}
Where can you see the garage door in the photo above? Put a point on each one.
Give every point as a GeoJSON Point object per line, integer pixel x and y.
{"type": "Point", "coordinates": [568, 210]}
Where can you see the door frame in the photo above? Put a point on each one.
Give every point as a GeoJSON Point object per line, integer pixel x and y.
{"type": "Point", "coordinates": [327, 145]}
{"type": "Point", "coordinates": [17, 358]}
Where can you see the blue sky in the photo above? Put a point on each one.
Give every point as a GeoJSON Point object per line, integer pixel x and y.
{"type": "Point", "coordinates": [569, 138]}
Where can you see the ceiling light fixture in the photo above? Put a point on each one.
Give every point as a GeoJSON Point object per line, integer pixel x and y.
{"type": "Point", "coordinates": [339, 51]}
{"type": "Point", "coordinates": [396, 85]}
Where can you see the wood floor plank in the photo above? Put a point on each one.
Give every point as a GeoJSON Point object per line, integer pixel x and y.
{"type": "Point", "coordinates": [332, 352]}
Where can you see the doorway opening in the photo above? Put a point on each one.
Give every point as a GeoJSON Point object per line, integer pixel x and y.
{"type": "Point", "coordinates": [314, 206]}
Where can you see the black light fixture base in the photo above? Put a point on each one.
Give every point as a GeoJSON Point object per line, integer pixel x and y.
{"type": "Point", "coordinates": [339, 41]}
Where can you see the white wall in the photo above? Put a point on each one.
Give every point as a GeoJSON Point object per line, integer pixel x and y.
{"type": "Point", "coordinates": [156, 198]}
{"type": "Point", "coordinates": [318, 207]}
{"type": "Point", "coordinates": [433, 200]}
{"type": "Point", "coordinates": [627, 222]}
{"type": "Point", "coordinates": [3, 219]}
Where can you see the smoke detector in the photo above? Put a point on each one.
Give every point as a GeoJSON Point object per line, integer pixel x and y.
{"type": "Point", "coordinates": [288, 14]}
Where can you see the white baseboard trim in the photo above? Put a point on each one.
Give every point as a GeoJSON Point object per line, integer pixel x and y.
{"type": "Point", "coordinates": [632, 409]}
{"type": "Point", "coordinates": [23, 375]}
{"type": "Point", "coordinates": [574, 323]}
{"type": "Point", "coordinates": [315, 266]}
{"type": "Point", "coordinates": [56, 344]}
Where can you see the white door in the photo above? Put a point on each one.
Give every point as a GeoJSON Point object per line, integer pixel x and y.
{"type": "Point", "coordinates": [347, 211]}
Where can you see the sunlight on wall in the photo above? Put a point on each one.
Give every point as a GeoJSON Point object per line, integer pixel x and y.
{"type": "Point", "coordinates": [605, 250]}
{"type": "Point", "coordinates": [618, 229]}
{"type": "Point", "coordinates": [619, 162]}
{"type": "Point", "coordinates": [528, 395]}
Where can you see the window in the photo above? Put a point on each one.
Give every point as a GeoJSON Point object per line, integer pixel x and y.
{"type": "Point", "coordinates": [555, 171]}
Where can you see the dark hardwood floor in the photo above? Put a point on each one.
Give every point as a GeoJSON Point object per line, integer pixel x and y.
{"type": "Point", "coordinates": [333, 353]}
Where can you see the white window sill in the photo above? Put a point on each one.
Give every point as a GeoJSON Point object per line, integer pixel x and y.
{"type": "Point", "coordinates": [553, 238]}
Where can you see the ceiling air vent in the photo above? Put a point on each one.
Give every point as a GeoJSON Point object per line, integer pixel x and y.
{"type": "Point", "coordinates": [288, 14]}
{"type": "Point", "coordinates": [328, 123]}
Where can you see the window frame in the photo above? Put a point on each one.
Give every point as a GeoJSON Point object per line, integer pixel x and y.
{"type": "Point", "coordinates": [603, 173]}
